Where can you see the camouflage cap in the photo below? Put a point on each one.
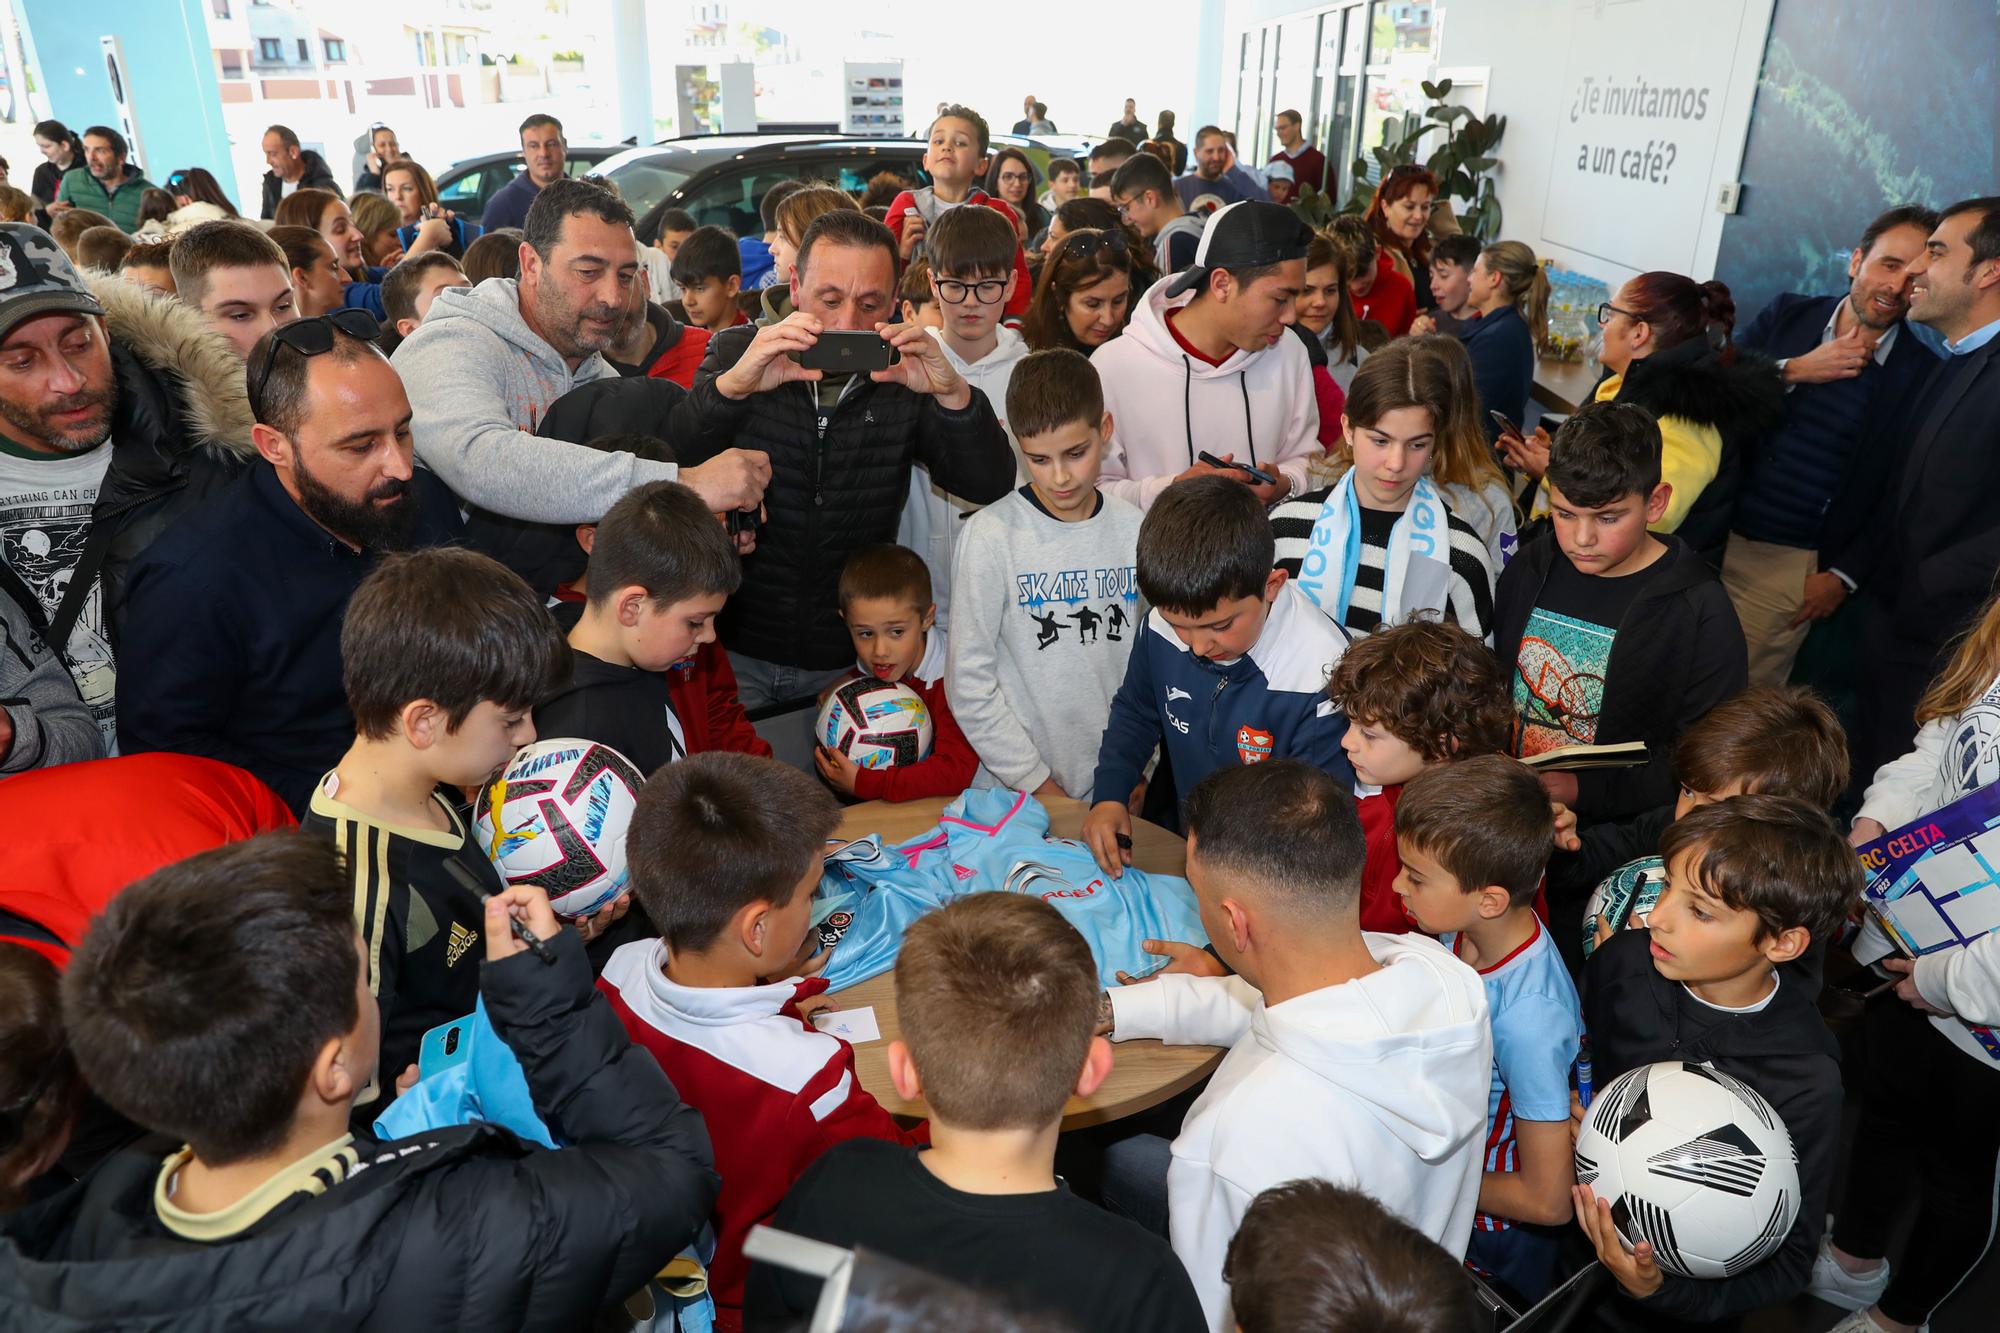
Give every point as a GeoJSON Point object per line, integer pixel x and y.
{"type": "Point", "coordinates": [36, 277]}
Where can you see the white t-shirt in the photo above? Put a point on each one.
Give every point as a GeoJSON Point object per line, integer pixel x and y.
{"type": "Point", "coordinates": [45, 504]}
{"type": "Point", "coordinates": [286, 187]}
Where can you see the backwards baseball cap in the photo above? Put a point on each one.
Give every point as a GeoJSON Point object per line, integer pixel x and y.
{"type": "Point", "coordinates": [36, 277]}
{"type": "Point", "coordinates": [1245, 234]}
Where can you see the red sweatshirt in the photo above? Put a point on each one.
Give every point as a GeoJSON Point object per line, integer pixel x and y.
{"type": "Point", "coordinates": [776, 1092]}
{"type": "Point", "coordinates": [1392, 301]}
{"type": "Point", "coordinates": [1381, 906]}
{"type": "Point", "coordinates": [907, 203]}
{"type": "Point", "coordinates": [85, 831]}
{"type": "Point", "coordinates": [679, 362]}
{"type": "Point", "coordinates": [953, 762]}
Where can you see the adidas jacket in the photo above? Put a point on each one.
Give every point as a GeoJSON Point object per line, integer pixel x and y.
{"type": "Point", "coordinates": [1271, 702]}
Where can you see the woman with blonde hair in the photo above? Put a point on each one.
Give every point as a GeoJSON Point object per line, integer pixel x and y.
{"type": "Point", "coordinates": [377, 220]}
{"type": "Point", "coordinates": [1382, 545]}
{"type": "Point", "coordinates": [410, 188]}
{"type": "Point", "coordinates": [1511, 294]}
{"type": "Point", "coordinates": [794, 213]}
{"type": "Point", "coordinates": [1464, 467]}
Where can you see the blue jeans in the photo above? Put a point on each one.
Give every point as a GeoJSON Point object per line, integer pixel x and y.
{"type": "Point", "coordinates": [1134, 1184]}
{"type": "Point", "coordinates": [759, 684]}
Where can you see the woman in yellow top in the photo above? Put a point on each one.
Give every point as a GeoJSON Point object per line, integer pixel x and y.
{"type": "Point", "coordinates": [1667, 348]}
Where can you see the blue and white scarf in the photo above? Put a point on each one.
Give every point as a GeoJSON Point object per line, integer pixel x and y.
{"type": "Point", "coordinates": [1418, 574]}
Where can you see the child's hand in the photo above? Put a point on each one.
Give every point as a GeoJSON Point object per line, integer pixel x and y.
{"type": "Point", "coordinates": [813, 1004]}
{"type": "Point", "coordinates": [838, 770]}
{"type": "Point", "coordinates": [913, 234]}
{"type": "Point", "coordinates": [590, 927]}
{"type": "Point", "coordinates": [1528, 455]}
{"type": "Point", "coordinates": [1865, 831]}
{"type": "Point", "coordinates": [1575, 1118]}
{"type": "Point", "coordinates": [1048, 789]}
{"type": "Point", "coordinates": [1906, 986]}
{"type": "Point", "coordinates": [1184, 958]}
{"type": "Point", "coordinates": [1635, 1270]}
{"type": "Point", "coordinates": [1107, 822]}
{"type": "Point", "coordinates": [1566, 839]}
{"type": "Point", "coordinates": [528, 904]}
{"type": "Point", "coordinates": [406, 1080]}
{"type": "Point", "coordinates": [1604, 931]}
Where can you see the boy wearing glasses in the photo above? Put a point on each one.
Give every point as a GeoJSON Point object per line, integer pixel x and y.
{"type": "Point", "coordinates": [1143, 191]}
{"type": "Point", "coordinates": [971, 258]}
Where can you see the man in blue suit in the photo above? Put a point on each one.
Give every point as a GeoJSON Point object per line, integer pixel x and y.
{"type": "Point", "coordinates": [1851, 367]}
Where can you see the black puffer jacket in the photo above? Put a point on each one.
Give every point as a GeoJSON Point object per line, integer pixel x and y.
{"type": "Point", "coordinates": [1744, 399]}
{"type": "Point", "coordinates": [318, 176]}
{"type": "Point", "coordinates": [828, 498]}
{"type": "Point", "coordinates": [460, 1228]}
{"type": "Point", "coordinates": [180, 431]}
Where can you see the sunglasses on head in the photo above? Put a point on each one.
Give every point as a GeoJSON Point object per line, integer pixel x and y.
{"type": "Point", "coordinates": [310, 337]}
{"type": "Point", "coordinates": [1084, 244]}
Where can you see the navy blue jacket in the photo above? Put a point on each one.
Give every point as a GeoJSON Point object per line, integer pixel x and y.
{"type": "Point", "coordinates": [1817, 478]}
{"type": "Point", "coordinates": [232, 632]}
{"type": "Point", "coordinates": [1502, 349]}
{"type": "Point", "coordinates": [1269, 702]}
{"type": "Point", "coordinates": [509, 205]}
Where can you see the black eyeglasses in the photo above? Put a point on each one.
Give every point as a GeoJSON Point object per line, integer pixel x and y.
{"type": "Point", "coordinates": [954, 292]}
{"type": "Point", "coordinates": [1084, 244]}
{"type": "Point", "coordinates": [310, 337]}
{"type": "Point", "coordinates": [1606, 310]}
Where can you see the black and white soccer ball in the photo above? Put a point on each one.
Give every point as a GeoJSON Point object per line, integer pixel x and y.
{"type": "Point", "coordinates": [1694, 1161]}
{"type": "Point", "coordinates": [557, 817]}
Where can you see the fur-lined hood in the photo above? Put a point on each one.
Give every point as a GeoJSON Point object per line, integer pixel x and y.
{"type": "Point", "coordinates": [172, 340]}
{"type": "Point", "coordinates": [1744, 399]}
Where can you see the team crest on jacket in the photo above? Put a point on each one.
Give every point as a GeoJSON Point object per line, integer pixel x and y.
{"type": "Point", "coordinates": [1253, 746]}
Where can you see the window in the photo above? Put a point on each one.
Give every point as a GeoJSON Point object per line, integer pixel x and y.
{"type": "Point", "coordinates": [220, 8]}
{"type": "Point", "coordinates": [232, 64]}
{"type": "Point", "coordinates": [1352, 91]}
{"type": "Point", "coordinates": [270, 48]}
{"type": "Point", "coordinates": [336, 50]}
{"type": "Point", "coordinates": [305, 52]}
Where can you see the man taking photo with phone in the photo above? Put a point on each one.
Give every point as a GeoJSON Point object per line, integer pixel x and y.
{"type": "Point", "coordinates": [841, 445]}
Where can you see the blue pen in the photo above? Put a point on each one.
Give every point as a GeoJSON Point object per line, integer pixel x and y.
{"type": "Point", "coordinates": [1583, 1072]}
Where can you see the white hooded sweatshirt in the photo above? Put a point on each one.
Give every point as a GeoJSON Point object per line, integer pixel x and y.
{"type": "Point", "coordinates": [932, 517]}
{"type": "Point", "coordinates": [1380, 1083]}
{"type": "Point", "coordinates": [1167, 406]}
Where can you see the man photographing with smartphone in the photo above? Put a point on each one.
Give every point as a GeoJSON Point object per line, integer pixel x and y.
{"type": "Point", "coordinates": [841, 446]}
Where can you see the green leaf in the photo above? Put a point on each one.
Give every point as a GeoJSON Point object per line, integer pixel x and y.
{"type": "Point", "coordinates": [1440, 112]}
{"type": "Point", "coordinates": [1430, 89]}
{"type": "Point", "coordinates": [1443, 88]}
{"type": "Point", "coordinates": [1479, 164]}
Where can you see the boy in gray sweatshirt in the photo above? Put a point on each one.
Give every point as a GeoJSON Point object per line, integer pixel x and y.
{"type": "Point", "coordinates": [1045, 593]}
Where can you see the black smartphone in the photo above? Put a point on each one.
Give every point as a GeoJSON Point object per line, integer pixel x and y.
{"type": "Point", "coordinates": [1506, 426]}
{"type": "Point", "coordinates": [844, 350]}
{"type": "Point", "coordinates": [741, 520]}
{"type": "Point", "coordinates": [1257, 473]}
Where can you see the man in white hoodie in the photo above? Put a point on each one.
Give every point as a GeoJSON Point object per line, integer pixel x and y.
{"type": "Point", "coordinates": [1206, 366]}
{"type": "Point", "coordinates": [1355, 1057]}
{"type": "Point", "coordinates": [489, 360]}
{"type": "Point", "coordinates": [971, 254]}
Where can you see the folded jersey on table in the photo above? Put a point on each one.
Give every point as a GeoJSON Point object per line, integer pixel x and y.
{"type": "Point", "coordinates": [995, 841]}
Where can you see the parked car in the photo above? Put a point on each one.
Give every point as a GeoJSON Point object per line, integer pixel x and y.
{"type": "Point", "coordinates": [465, 186]}
{"type": "Point", "coordinates": [719, 178]}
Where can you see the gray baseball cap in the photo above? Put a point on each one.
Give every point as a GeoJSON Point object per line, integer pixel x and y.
{"type": "Point", "coordinates": [37, 278]}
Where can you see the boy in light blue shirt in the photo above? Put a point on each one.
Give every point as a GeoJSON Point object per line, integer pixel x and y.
{"type": "Point", "coordinates": [1474, 838]}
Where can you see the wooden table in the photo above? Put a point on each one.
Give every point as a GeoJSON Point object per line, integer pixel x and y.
{"type": "Point", "coordinates": [1144, 1072]}
{"type": "Point", "coordinates": [1564, 386]}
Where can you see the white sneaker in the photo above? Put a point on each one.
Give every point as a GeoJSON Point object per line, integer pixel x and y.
{"type": "Point", "coordinates": [1846, 1291]}
{"type": "Point", "coordinates": [1859, 1322]}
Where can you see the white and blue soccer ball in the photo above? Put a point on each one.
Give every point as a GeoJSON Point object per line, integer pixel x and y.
{"type": "Point", "coordinates": [876, 723]}
{"type": "Point", "coordinates": [564, 807]}
{"type": "Point", "coordinates": [1694, 1161]}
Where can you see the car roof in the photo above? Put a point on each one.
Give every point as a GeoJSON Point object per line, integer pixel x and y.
{"type": "Point", "coordinates": [700, 150]}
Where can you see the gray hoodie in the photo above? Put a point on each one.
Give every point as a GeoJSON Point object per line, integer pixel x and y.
{"type": "Point", "coordinates": [51, 723]}
{"type": "Point", "coordinates": [480, 381]}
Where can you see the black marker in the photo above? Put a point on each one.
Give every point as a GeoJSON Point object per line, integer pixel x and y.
{"type": "Point", "coordinates": [536, 943]}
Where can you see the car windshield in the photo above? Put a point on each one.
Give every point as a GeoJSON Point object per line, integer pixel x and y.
{"type": "Point", "coordinates": [646, 183]}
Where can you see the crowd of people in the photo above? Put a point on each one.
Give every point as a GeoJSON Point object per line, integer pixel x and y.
{"type": "Point", "coordinates": [1164, 503]}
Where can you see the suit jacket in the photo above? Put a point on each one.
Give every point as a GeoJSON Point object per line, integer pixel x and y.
{"type": "Point", "coordinates": [1792, 326]}
{"type": "Point", "coordinates": [1933, 561]}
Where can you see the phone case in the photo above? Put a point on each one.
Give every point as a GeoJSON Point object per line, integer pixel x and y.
{"type": "Point", "coordinates": [443, 1046]}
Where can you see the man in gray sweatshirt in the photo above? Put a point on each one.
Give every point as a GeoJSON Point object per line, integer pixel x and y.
{"type": "Point", "coordinates": [487, 362]}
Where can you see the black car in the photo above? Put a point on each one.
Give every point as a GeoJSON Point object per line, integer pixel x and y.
{"type": "Point", "coordinates": [720, 177]}
{"type": "Point", "coordinates": [467, 185]}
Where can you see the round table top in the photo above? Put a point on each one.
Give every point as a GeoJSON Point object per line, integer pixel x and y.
{"type": "Point", "coordinates": [1144, 1072]}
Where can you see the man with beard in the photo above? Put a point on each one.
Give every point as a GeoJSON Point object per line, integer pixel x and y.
{"type": "Point", "coordinates": [118, 411]}
{"type": "Point", "coordinates": [1852, 368]}
{"type": "Point", "coordinates": [1217, 172]}
{"type": "Point", "coordinates": [488, 361]}
{"type": "Point", "coordinates": [236, 609]}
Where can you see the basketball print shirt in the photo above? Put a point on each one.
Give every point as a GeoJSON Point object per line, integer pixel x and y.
{"type": "Point", "coordinates": [45, 504]}
{"type": "Point", "coordinates": [1565, 653]}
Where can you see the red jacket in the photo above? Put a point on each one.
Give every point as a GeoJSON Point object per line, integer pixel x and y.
{"type": "Point", "coordinates": [1381, 906]}
{"type": "Point", "coordinates": [679, 362]}
{"type": "Point", "coordinates": [953, 762]}
{"type": "Point", "coordinates": [776, 1091]}
{"type": "Point", "coordinates": [905, 204]}
{"type": "Point", "coordinates": [706, 702]}
{"type": "Point", "coordinates": [1392, 301]}
{"type": "Point", "coordinates": [85, 831]}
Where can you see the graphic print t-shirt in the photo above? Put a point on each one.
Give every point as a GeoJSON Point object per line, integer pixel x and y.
{"type": "Point", "coordinates": [1559, 667]}
{"type": "Point", "coordinates": [45, 504]}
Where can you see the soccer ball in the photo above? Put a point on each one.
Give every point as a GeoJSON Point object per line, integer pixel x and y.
{"type": "Point", "coordinates": [564, 808]}
{"type": "Point", "coordinates": [1624, 900]}
{"type": "Point", "coordinates": [1695, 1162]}
{"type": "Point", "coordinates": [876, 723]}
